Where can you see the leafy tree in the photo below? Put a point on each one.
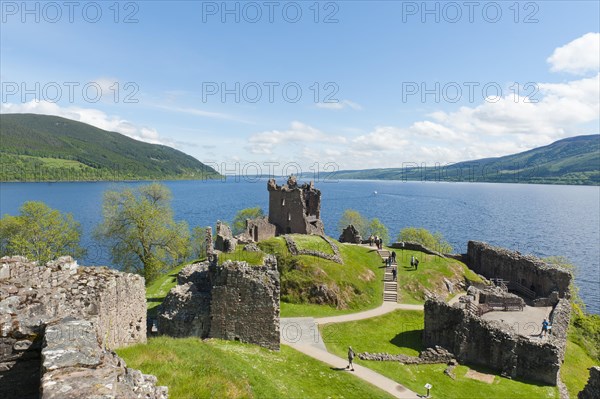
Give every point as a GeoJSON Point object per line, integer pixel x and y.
{"type": "Point", "coordinates": [198, 242]}
{"type": "Point", "coordinates": [40, 233]}
{"type": "Point", "coordinates": [239, 221]}
{"type": "Point", "coordinates": [138, 227]}
{"type": "Point", "coordinates": [352, 217]}
{"type": "Point", "coordinates": [434, 241]}
{"type": "Point", "coordinates": [377, 228]}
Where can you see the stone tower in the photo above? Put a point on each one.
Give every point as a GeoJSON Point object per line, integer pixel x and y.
{"type": "Point", "coordinates": [295, 209]}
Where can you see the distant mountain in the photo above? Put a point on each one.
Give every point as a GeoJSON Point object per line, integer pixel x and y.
{"type": "Point", "coordinates": [575, 160]}
{"type": "Point", "coordinates": [50, 148]}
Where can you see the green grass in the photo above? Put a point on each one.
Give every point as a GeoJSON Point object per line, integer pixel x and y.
{"type": "Point", "coordinates": [357, 283]}
{"type": "Point", "coordinates": [311, 310]}
{"type": "Point", "coordinates": [400, 332]}
{"type": "Point", "coordinates": [253, 258]}
{"type": "Point", "coordinates": [158, 289]}
{"type": "Point", "coordinates": [574, 371]}
{"type": "Point", "coordinates": [314, 243]}
{"type": "Point", "coordinates": [193, 368]}
{"type": "Point", "coordinates": [429, 276]}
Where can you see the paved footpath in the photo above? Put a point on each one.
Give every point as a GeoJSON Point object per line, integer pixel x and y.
{"type": "Point", "coordinates": [302, 334]}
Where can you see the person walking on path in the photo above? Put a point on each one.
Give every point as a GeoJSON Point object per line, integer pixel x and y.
{"type": "Point", "coordinates": [394, 273]}
{"type": "Point", "coordinates": [393, 256]}
{"type": "Point", "coordinates": [350, 359]}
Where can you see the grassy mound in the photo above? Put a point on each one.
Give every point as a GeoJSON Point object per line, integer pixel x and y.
{"type": "Point", "coordinates": [253, 258]}
{"type": "Point", "coordinates": [193, 368]}
{"type": "Point", "coordinates": [400, 332]}
{"type": "Point", "coordinates": [313, 243]}
{"type": "Point", "coordinates": [429, 277]}
{"type": "Point", "coordinates": [307, 280]}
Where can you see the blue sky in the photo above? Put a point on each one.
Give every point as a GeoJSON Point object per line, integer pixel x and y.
{"type": "Point", "coordinates": [382, 83]}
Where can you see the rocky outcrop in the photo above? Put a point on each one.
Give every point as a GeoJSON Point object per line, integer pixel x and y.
{"type": "Point", "coordinates": [494, 345]}
{"type": "Point", "coordinates": [592, 388]}
{"type": "Point", "coordinates": [233, 301]}
{"type": "Point", "coordinates": [33, 298]}
{"type": "Point", "coordinates": [74, 366]}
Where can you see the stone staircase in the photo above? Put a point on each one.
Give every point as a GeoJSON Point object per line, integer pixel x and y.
{"type": "Point", "coordinates": [390, 287]}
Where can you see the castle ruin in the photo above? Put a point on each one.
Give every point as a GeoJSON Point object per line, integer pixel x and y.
{"type": "Point", "coordinates": [233, 301]}
{"type": "Point", "coordinates": [513, 348]}
{"type": "Point", "coordinates": [58, 325]}
{"type": "Point", "coordinates": [295, 209]}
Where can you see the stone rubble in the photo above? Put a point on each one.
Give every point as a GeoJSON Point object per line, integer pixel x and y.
{"type": "Point", "coordinates": [35, 299]}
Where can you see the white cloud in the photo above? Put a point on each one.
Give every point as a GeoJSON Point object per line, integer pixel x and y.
{"type": "Point", "coordinates": [340, 105]}
{"type": "Point", "coordinates": [266, 142]}
{"type": "Point", "coordinates": [509, 125]}
{"type": "Point", "coordinates": [201, 112]}
{"type": "Point", "coordinates": [579, 56]}
{"type": "Point", "coordinates": [90, 116]}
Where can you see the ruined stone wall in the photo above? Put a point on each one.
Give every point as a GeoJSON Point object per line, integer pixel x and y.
{"type": "Point", "coordinates": [74, 366]}
{"type": "Point", "coordinates": [528, 271]}
{"type": "Point", "coordinates": [491, 344]}
{"type": "Point", "coordinates": [245, 304]}
{"type": "Point", "coordinates": [592, 388]}
{"type": "Point", "coordinates": [260, 229]}
{"type": "Point", "coordinates": [32, 296]}
{"type": "Point", "coordinates": [351, 235]}
{"type": "Point", "coordinates": [225, 241]}
{"type": "Point", "coordinates": [415, 246]}
{"type": "Point", "coordinates": [295, 209]}
{"type": "Point", "coordinates": [233, 301]}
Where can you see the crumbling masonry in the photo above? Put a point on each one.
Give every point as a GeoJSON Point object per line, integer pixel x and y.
{"type": "Point", "coordinates": [233, 301]}
{"type": "Point", "coordinates": [295, 209]}
{"type": "Point", "coordinates": [461, 330]}
{"type": "Point", "coordinates": [58, 325]}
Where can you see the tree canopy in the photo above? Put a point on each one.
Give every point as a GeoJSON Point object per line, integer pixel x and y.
{"type": "Point", "coordinates": [139, 229]}
{"type": "Point", "coordinates": [40, 233]}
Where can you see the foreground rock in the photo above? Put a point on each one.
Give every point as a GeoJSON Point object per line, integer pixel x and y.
{"type": "Point", "coordinates": [58, 323]}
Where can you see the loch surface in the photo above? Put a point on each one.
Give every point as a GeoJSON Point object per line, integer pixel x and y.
{"type": "Point", "coordinates": [543, 220]}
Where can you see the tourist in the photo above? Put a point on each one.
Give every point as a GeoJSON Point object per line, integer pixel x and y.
{"type": "Point", "coordinates": [350, 359]}
{"type": "Point", "coordinates": [371, 240]}
{"type": "Point", "coordinates": [544, 327]}
{"type": "Point", "coordinates": [412, 261]}
{"type": "Point", "coordinates": [416, 264]}
{"type": "Point", "coordinates": [393, 256]}
{"type": "Point", "coordinates": [394, 273]}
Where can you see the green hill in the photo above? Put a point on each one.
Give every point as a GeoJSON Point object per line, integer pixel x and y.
{"type": "Point", "coordinates": [574, 160]}
{"type": "Point", "coordinates": [51, 148]}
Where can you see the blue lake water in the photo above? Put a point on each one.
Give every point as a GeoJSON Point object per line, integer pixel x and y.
{"type": "Point", "coordinates": [543, 220]}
